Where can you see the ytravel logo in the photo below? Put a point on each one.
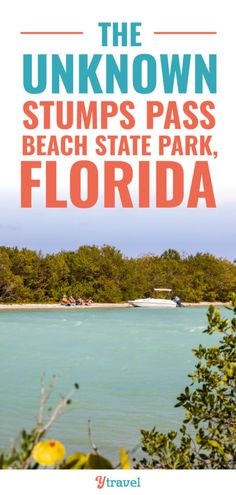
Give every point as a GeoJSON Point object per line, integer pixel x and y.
{"type": "Point", "coordinates": [105, 482]}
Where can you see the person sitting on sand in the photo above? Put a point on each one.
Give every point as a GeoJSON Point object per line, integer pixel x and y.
{"type": "Point", "coordinates": [79, 301]}
{"type": "Point", "coordinates": [65, 301]}
{"type": "Point", "coordinates": [71, 300]}
{"type": "Point", "coordinates": [88, 302]}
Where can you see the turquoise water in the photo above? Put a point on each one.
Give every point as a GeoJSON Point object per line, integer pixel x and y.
{"type": "Point", "coordinates": [130, 363]}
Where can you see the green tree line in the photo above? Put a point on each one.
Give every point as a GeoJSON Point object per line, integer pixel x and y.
{"type": "Point", "coordinates": [106, 275]}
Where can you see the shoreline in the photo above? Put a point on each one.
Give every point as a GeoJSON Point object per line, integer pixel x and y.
{"type": "Point", "coordinates": [51, 306]}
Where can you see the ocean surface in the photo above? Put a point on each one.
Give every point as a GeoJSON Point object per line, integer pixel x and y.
{"type": "Point", "coordinates": [130, 363]}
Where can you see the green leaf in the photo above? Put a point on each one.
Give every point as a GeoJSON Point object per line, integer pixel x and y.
{"type": "Point", "coordinates": [96, 461]}
{"type": "Point", "coordinates": [216, 445]}
{"type": "Point", "coordinates": [77, 460]}
{"type": "Point", "coordinates": [198, 438]}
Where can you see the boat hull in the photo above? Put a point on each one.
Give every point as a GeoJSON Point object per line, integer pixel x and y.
{"type": "Point", "coordinates": [153, 303]}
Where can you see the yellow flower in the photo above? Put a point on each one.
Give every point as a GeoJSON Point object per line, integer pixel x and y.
{"type": "Point", "coordinates": [124, 459]}
{"type": "Point", "coordinates": [48, 452]}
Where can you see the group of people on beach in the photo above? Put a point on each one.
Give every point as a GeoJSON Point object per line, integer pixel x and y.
{"type": "Point", "coordinates": [71, 301]}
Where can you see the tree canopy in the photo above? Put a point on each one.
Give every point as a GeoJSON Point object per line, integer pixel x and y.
{"type": "Point", "coordinates": [106, 275]}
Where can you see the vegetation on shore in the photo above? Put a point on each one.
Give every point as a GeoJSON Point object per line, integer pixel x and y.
{"type": "Point", "coordinates": [206, 438]}
{"type": "Point", "coordinates": [106, 275]}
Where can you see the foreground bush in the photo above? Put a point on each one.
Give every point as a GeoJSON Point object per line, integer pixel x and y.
{"type": "Point", "coordinates": [207, 437]}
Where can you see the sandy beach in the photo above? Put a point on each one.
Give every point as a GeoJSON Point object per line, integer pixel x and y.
{"type": "Point", "coordinates": [25, 306]}
{"type": "Point", "coordinates": [32, 306]}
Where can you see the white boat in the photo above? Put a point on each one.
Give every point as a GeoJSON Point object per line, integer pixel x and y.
{"type": "Point", "coordinates": [151, 302]}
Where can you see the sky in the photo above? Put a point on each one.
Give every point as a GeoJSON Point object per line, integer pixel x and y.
{"type": "Point", "coordinates": [134, 231]}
